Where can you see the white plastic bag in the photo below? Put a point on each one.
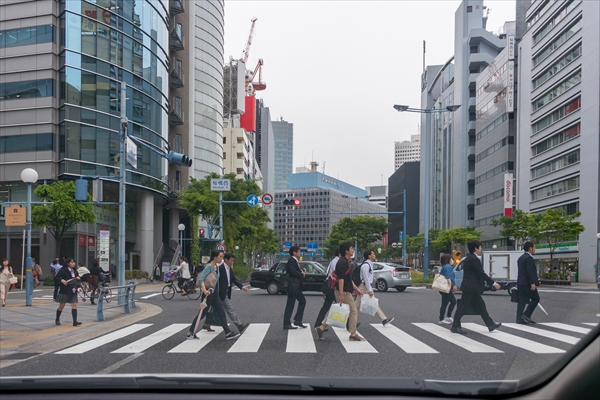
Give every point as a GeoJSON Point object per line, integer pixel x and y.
{"type": "Point", "coordinates": [338, 315]}
{"type": "Point", "coordinates": [369, 305]}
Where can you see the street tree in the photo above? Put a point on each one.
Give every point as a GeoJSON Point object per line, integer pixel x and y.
{"type": "Point", "coordinates": [522, 226]}
{"type": "Point", "coordinates": [443, 240]}
{"type": "Point", "coordinates": [63, 211]}
{"type": "Point", "coordinates": [363, 230]}
{"type": "Point", "coordinates": [555, 228]}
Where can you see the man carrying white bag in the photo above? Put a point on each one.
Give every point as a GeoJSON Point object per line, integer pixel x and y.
{"type": "Point", "coordinates": [369, 305]}
{"type": "Point", "coordinates": [338, 315]}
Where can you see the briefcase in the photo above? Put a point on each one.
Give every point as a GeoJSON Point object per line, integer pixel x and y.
{"type": "Point", "coordinates": [514, 296]}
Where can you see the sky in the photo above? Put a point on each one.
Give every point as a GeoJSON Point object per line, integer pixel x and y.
{"type": "Point", "coordinates": [336, 68]}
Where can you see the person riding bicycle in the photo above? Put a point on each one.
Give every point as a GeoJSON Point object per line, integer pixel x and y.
{"type": "Point", "coordinates": [184, 271]}
{"type": "Point", "coordinates": [94, 278]}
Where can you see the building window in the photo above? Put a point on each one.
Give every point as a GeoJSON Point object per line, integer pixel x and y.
{"type": "Point", "coordinates": [25, 36]}
{"type": "Point", "coordinates": [474, 49]}
{"type": "Point", "coordinates": [492, 126]}
{"type": "Point", "coordinates": [554, 21]}
{"type": "Point", "coordinates": [177, 180]}
{"type": "Point", "coordinates": [555, 189]}
{"type": "Point", "coordinates": [555, 140]}
{"type": "Point", "coordinates": [556, 91]}
{"type": "Point", "coordinates": [556, 43]}
{"type": "Point", "coordinates": [27, 143]}
{"type": "Point", "coordinates": [556, 116]}
{"type": "Point", "coordinates": [27, 89]}
{"type": "Point", "coordinates": [555, 165]}
{"type": "Point", "coordinates": [224, 156]}
{"type": "Point", "coordinates": [557, 66]}
{"type": "Point", "coordinates": [469, 9]}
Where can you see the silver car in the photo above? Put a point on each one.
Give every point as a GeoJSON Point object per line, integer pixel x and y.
{"type": "Point", "coordinates": [386, 275]}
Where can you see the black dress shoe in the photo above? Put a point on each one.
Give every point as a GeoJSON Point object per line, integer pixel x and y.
{"type": "Point", "coordinates": [458, 330]}
{"type": "Point", "coordinates": [522, 322]}
{"type": "Point", "coordinates": [300, 325]}
{"type": "Point", "coordinates": [527, 319]}
{"type": "Point", "coordinates": [494, 326]}
{"type": "Point", "coordinates": [287, 327]}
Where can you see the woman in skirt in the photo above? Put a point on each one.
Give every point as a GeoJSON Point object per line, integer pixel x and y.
{"type": "Point", "coordinates": [67, 276]}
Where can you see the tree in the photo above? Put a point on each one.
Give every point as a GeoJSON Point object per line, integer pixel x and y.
{"type": "Point", "coordinates": [522, 226]}
{"type": "Point", "coordinates": [63, 212]}
{"type": "Point", "coordinates": [414, 246]}
{"type": "Point", "coordinates": [555, 228]}
{"type": "Point", "coordinates": [362, 229]}
{"type": "Point", "coordinates": [443, 240]}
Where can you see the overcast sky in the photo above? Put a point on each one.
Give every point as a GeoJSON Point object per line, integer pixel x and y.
{"type": "Point", "coordinates": [336, 68]}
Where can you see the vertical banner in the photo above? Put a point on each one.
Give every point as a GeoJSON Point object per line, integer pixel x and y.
{"type": "Point", "coordinates": [510, 87]}
{"type": "Point", "coordinates": [104, 250]}
{"type": "Point", "coordinates": [508, 194]}
{"type": "Point", "coordinates": [510, 43]}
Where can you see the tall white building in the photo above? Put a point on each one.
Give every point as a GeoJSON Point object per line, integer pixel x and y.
{"type": "Point", "coordinates": [407, 151]}
{"type": "Point", "coordinates": [558, 123]}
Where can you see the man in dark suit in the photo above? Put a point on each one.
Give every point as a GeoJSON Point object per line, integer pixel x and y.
{"type": "Point", "coordinates": [294, 278]}
{"type": "Point", "coordinates": [472, 288]}
{"type": "Point", "coordinates": [226, 278]}
{"type": "Point", "coordinates": [527, 281]}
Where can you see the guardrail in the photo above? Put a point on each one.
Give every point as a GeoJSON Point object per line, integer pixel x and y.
{"type": "Point", "coordinates": [125, 296]}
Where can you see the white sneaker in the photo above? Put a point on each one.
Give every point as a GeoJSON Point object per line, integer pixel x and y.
{"type": "Point", "coordinates": [444, 322]}
{"type": "Point", "coordinates": [449, 319]}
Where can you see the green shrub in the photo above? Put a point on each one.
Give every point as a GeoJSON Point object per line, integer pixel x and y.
{"type": "Point", "coordinates": [135, 274]}
{"type": "Point", "coordinates": [553, 276]}
{"type": "Point", "coordinates": [419, 277]}
{"type": "Point", "coordinates": [241, 272]}
{"type": "Point", "coordinates": [49, 281]}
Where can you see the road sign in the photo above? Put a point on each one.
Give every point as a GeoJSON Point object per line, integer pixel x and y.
{"type": "Point", "coordinates": [312, 245]}
{"type": "Point", "coordinates": [131, 154]}
{"type": "Point", "coordinates": [312, 253]}
{"type": "Point", "coordinates": [221, 247]}
{"type": "Point", "coordinates": [15, 216]}
{"type": "Point", "coordinates": [267, 198]}
{"type": "Point", "coordinates": [301, 254]}
{"type": "Point", "coordinates": [287, 244]}
{"type": "Point", "coordinates": [220, 185]}
{"type": "Point", "coordinates": [252, 200]}
{"type": "Point", "coordinates": [282, 254]}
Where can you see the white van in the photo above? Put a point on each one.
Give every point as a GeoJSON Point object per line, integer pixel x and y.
{"type": "Point", "coordinates": [501, 266]}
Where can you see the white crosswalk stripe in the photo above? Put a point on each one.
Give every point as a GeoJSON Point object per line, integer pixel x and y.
{"type": "Point", "coordinates": [544, 332]}
{"type": "Point", "coordinates": [109, 337]}
{"type": "Point", "coordinates": [251, 340]}
{"type": "Point", "coordinates": [513, 340]}
{"type": "Point", "coordinates": [300, 341]}
{"type": "Point", "coordinates": [150, 295]}
{"type": "Point", "coordinates": [195, 345]}
{"type": "Point", "coordinates": [144, 343]}
{"type": "Point", "coordinates": [566, 327]}
{"type": "Point", "coordinates": [462, 341]}
{"type": "Point", "coordinates": [403, 340]}
{"type": "Point", "coordinates": [353, 347]}
{"type": "Point", "coordinates": [590, 323]}
{"type": "Point", "coordinates": [254, 288]}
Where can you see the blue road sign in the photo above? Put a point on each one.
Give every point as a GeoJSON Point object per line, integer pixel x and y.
{"type": "Point", "coordinates": [252, 200]}
{"type": "Point", "coordinates": [312, 245]}
{"type": "Point", "coordinates": [301, 254]}
{"type": "Point", "coordinates": [282, 254]}
{"type": "Point", "coordinates": [312, 253]}
{"type": "Point", "coordinates": [401, 235]}
{"type": "Point", "coordinates": [287, 244]}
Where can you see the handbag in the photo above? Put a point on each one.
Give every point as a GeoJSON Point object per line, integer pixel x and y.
{"type": "Point", "coordinates": [211, 280]}
{"type": "Point", "coordinates": [441, 283]}
{"type": "Point", "coordinates": [369, 305]}
{"type": "Point", "coordinates": [13, 279]}
{"type": "Point", "coordinates": [292, 285]}
{"type": "Point", "coordinates": [338, 315]}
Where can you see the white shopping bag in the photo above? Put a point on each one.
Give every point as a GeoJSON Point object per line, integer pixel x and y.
{"type": "Point", "coordinates": [369, 305]}
{"type": "Point", "coordinates": [338, 315]}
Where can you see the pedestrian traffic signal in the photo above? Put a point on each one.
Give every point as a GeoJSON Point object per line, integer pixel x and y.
{"type": "Point", "coordinates": [201, 232]}
{"type": "Point", "coordinates": [456, 257]}
{"type": "Point", "coordinates": [179, 159]}
{"type": "Point", "coordinates": [291, 202]}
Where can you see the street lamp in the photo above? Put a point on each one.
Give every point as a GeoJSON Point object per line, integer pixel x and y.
{"type": "Point", "coordinates": [236, 251]}
{"type": "Point", "coordinates": [181, 228]}
{"type": "Point", "coordinates": [427, 112]}
{"type": "Point", "coordinates": [29, 176]}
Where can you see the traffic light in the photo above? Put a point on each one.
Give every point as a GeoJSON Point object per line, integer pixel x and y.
{"type": "Point", "coordinates": [201, 232]}
{"type": "Point", "coordinates": [179, 159]}
{"type": "Point", "coordinates": [456, 256]}
{"type": "Point", "coordinates": [81, 189]}
{"type": "Point", "coordinates": [291, 202]}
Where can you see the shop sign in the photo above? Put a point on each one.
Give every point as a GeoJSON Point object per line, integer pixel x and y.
{"type": "Point", "coordinates": [572, 247]}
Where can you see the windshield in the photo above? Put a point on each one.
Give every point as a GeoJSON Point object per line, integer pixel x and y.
{"type": "Point", "coordinates": [197, 165]}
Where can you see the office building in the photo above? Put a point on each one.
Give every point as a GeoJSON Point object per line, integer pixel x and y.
{"type": "Point", "coordinates": [283, 134]}
{"type": "Point", "coordinates": [558, 124]}
{"type": "Point", "coordinates": [377, 194]}
{"type": "Point", "coordinates": [407, 151]}
{"type": "Point", "coordinates": [405, 178]}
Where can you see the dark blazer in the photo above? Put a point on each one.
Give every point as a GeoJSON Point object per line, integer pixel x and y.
{"type": "Point", "coordinates": [224, 288]}
{"type": "Point", "coordinates": [65, 273]}
{"type": "Point", "coordinates": [474, 275]}
{"type": "Point", "coordinates": [292, 269]}
{"type": "Point", "coordinates": [527, 275]}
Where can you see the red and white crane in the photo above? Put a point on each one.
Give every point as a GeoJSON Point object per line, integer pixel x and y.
{"type": "Point", "coordinates": [252, 86]}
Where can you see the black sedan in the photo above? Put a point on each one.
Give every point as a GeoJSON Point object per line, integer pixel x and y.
{"type": "Point", "coordinates": [272, 279]}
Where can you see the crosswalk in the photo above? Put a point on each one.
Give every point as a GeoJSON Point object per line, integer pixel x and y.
{"type": "Point", "coordinates": [479, 340]}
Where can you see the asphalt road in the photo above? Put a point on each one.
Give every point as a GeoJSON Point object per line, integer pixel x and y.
{"type": "Point", "coordinates": [414, 346]}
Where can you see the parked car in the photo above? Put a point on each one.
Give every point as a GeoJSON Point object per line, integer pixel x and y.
{"type": "Point", "coordinates": [272, 279]}
{"type": "Point", "coordinates": [386, 275]}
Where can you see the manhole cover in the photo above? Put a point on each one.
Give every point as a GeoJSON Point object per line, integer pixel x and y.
{"type": "Point", "coordinates": [19, 356]}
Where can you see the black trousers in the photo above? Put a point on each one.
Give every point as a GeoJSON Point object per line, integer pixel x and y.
{"type": "Point", "coordinates": [329, 299]}
{"type": "Point", "coordinates": [447, 298]}
{"type": "Point", "coordinates": [289, 308]}
{"type": "Point", "coordinates": [472, 301]}
{"type": "Point", "coordinates": [214, 301]}
{"type": "Point", "coordinates": [525, 293]}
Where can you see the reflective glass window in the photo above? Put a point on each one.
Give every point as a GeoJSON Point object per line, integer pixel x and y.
{"type": "Point", "coordinates": [27, 143]}
{"type": "Point", "coordinates": [25, 36]}
{"type": "Point", "coordinates": [27, 89]}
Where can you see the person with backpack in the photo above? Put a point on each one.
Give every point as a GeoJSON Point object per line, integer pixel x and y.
{"type": "Point", "coordinates": [366, 278]}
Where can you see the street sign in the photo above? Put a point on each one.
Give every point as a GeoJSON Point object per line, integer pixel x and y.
{"type": "Point", "coordinates": [287, 244]}
{"type": "Point", "coordinates": [220, 185]}
{"type": "Point", "coordinates": [312, 245]}
{"type": "Point", "coordinates": [104, 249]}
{"type": "Point", "coordinates": [282, 254]}
{"type": "Point", "coordinates": [312, 253]}
{"type": "Point", "coordinates": [131, 155]}
{"type": "Point", "coordinates": [267, 198]}
{"type": "Point", "coordinates": [301, 254]}
{"type": "Point", "coordinates": [252, 200]}
{"type": "Point", "coordinates": [221, 247]}
{"type": "Point", "coordinates": [15, 216]}
{"type": "Point", "coordinates": [401, 235]}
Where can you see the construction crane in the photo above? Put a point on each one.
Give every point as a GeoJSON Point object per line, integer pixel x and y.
{"type": "Point", "coordinates": [246, 51]}
{"type": "Point", "coordinates": [251, 86]}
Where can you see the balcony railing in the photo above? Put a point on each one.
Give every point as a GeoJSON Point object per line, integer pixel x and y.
{"type": "Point", "coordinates": [176, 40]}
{"type": "Point", "coordinates": [176, 77]}
{"type": "Point", "coordinates": [176, 114]}
{"type": "Point", "coordinates": [176, 6]}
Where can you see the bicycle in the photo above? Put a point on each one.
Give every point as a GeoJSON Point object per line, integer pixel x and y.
{"type": "Point", "coordinates": [103, 285]}
{"type": "Point", "coordinates": [192, 291]}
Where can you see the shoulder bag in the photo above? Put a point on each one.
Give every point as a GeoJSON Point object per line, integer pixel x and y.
{"type": "Point", "coordinates": [441, 283]}
{"type": "Point", "coordinates": [211, 280]}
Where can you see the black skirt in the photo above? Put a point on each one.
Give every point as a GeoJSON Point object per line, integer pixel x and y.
{"type": "Point", "coordinates": [66, 298]}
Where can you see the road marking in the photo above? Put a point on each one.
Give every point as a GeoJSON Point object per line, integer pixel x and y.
{"type": "Point", "coordinates": [513, 340]}
{"type": "Point", "coordinates": [545, 333]}
{"type": "Point", "coordinates": [569, 291]}
{"type": "Point", "coordinates": [566, 327]}
{"type": "Point", "coordinates": [352, 347]}
{"type": "Point", "coordinates": [300, 341]}
{"type": "Point", "coordinates": [459, 340]}
{"type": "Point", "coordinates": [403, 340]}
{"type": "Point", "coordinates": [119, 364]}
{"type": "Point", "coordinates": [150, 295]}
{"type": "Point", "coordinates": [590, 323]}
{"type": "Point", "coordinates": [255, 288]}
{"type": "Point", "coordinates": [146, 342]}
{"type": "Point", "coordinates": [251, 340]}
{"type": "Point", "coordinates": [110, 337]}
{"type": "Point", "coordinates": [195, 345]}
{"type": "Point", "coordinates": [416, 287]}
{"type": "Point", "coordinates": [25, 291]}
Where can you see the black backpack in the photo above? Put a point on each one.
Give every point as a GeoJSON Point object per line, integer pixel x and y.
{"type": "Point", "coordinates": [356, 273]}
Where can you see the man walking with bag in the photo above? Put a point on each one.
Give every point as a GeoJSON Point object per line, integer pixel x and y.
{"type": "Point", "coordinates": [366, 278]}
{"type": "Point", "coordinates": [329, 293]}
{"type": "Point", "coordinates": [527, 281]}
{"type": "Point", "coordinates": [294, 278]}
{"type": "Point", "coordinates": [472, 288]}
{"type": "Point", "coordinates": [226, 278]}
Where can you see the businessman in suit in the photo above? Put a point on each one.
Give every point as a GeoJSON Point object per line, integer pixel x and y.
{"type": "Point", "coordinates": [472, 288]}
{"type": "Point", "coordinates": [226, 279]}
{"type": "Point", "coordinates": [294, 277]}
{"type": "Point", "coordinates": [527, 281]}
